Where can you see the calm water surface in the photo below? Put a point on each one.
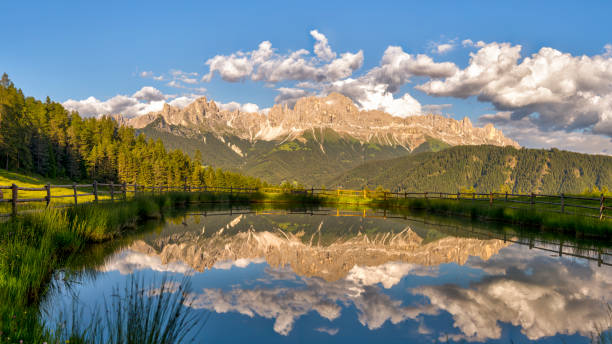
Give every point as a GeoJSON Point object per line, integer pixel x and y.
{"type": "Point", "coordinates": [338, 276]}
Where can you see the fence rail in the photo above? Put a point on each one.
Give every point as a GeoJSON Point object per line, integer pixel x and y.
{"type": "Point", "coordinates": [596, 207]}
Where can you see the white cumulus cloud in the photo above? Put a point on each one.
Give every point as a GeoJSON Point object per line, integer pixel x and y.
{"type": "Point", "coordinates": [322, 48]}
{"type": "Point", "coordinates": [289, 95]}
{"type": "Point", "coordinates": [543, 296]}
{"type": "Point", "coordinates": [147, 99]}
{"type": "Point", "coordinates": [265, 65]}
{"type": "Point", "coordinates": [149, 94]}
{"type": "Point", "coordinates": [554, 90]}
{"type": "Point", "coordinates": [607, 50]}
{"type": "Point", "coordinates": [235, 106]}
{"type": "Point", "coordinates": [529, 135]}
{"type": "Point", "coordinates": [444, 48]}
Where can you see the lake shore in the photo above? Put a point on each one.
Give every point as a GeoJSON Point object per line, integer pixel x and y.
{"type": "Point", "coordinates": [38, 244]}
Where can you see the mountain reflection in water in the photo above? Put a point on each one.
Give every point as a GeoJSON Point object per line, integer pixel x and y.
{"type": "Point", "coordinates": [330, 278]}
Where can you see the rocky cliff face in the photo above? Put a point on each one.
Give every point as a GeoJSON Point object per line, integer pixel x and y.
{"type": "Point", "coordinates": [336, 112]}
{"type": "Point", "coordinates": [307, 258]}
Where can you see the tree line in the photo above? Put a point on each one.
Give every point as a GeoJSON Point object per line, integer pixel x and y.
{"type": "Point", "coordinates": [487, 169]}
{"type": "Point", "coordinates": [47, 139]}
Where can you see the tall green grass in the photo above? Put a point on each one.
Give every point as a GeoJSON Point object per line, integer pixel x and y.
{"type": "Point", "coordinates": [603, 332]}
{"type": "Point", "coordinates": [566, 223]}
{"type": "Point", "coordinates": [137, 313]}
{"type": "Point", "coordinates": [35, 245]}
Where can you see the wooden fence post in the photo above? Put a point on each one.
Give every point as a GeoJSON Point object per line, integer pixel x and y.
{"type": "Point", "coordinates": [135, 189]}
{"type": "Point", "coordinates": [74, 188]}
{"type": "Point", "coordinates": [532, 198]}
{"type": "Point", "coordinates": [48, 198]}
{"type": "Point", "coordinates": [458, 195]}
{"type": "Point", "coordinates": [601, 207]}
{"type": "Point", "coordinates": [124, 191]}
{"type": "Point", "coordinates": [473, 196]}
{"type": "Point", "coordinates": [385, 195]}
{"type": "Point", "coordinates": [506, 196]}
{"type": "Point", "coordinates": [562, 203]}
{"type": "Point", "coordinates": [405, 194]}
{"type": "Point", "coordinates": [15, 190]}
{"type": "Point", "coordinates": [490, 199]}
{"type": "Point", "coordinates": [112, 191]}
{"type": "Point", "coordinates": [425, 195]}
{"type": "Point", "coordinates": [95, 191]}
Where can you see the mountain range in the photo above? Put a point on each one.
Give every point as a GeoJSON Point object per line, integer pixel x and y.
{"type": "Point", "coordinates": [323, 246]}
{"type": "Point", "coordinates": [315, 140]}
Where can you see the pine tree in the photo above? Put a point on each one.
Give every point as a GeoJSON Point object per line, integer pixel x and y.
{"type": "Point", "coordinates": [45, 138]}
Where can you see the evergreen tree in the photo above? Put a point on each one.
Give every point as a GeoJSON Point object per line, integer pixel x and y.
{"type": "Point", "coordinates": [47, 139]}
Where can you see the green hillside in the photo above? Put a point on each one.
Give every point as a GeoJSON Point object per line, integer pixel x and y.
{"type": "Point", "coordinates": [486, 168]}
{"type": "Point", "coordinates": [214, 151]}
{"type": "Point", "coordinates": [312, 160]}
{"type": "Point", "coordinates": [431, 145]}
{"type": "Point", "coordinates": [309, 159]}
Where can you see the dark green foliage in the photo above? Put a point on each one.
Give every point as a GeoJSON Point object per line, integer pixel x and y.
{"type": "Point", "coordinates": [310, 160]}
{"type": "Point", "coordinates": [46, 139]}
{"type": "Point", "coordinates": [485, 168]}
{"type": "Point", "coordinates": [214, 151]}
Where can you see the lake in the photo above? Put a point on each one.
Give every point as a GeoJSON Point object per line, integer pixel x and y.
{"type": "Point", "coordinates": [355, 276]}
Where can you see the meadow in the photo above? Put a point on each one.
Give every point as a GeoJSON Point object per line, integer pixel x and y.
{"type": "Point", "coordinates": [37, 244]}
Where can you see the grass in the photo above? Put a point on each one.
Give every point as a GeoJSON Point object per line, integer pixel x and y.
{"type": "Point", "coordinates": [35, 245]}
{"type": "Point", "coordinates": [523, 216]}
{"type": "Point", "coordinates": [140, 313]}
{"type": "Point", "coordinates": [8, 178]}
{"type": "Point", "coordinates": [534, 217]}
{"type": "Point", "coordinates": [602, 333]}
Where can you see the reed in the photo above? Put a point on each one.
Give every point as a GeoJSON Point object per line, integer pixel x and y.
{"type": "Point", "coordinates": [525, 217]}
{"type": "Point", "coordinates": [602, 334]}
{"type": "Point", "coordinates": [137, 313]}
{"type": "Point", "coordinates": [35, 245]}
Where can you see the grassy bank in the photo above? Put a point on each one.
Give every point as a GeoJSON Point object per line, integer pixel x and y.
{"type": "Point", "coordinates": [532, 218]}
{"type": "Point", "coordinates": [34, 181]}
{"type": "Point", "coordinates": [33, 246]}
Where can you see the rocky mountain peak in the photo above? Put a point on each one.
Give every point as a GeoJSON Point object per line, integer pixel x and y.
{"type": "Point", "coordinates": [331, 262]}
{"type": "Point", "coordinates": [334, 111]}
{"type": "Point", "coordinates": [465, 122]}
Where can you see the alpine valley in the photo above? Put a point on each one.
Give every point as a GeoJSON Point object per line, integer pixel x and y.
{"type": "Point", "coordinates": [320, 138]}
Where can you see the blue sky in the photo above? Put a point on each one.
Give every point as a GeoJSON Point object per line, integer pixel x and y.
{"type": "Point", "coordinates": [76, 50]}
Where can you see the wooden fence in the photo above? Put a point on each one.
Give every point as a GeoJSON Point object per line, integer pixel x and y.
{"type": "Point", "coordinates": [113, 192]}
{"type": "Point", "coordinates": [564, 204]}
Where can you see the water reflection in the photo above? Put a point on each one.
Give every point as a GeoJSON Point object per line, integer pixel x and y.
{"type": "Point", "coordinates": [542, 296]}
{"type": "Point", "coordinates": [398, 279]}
